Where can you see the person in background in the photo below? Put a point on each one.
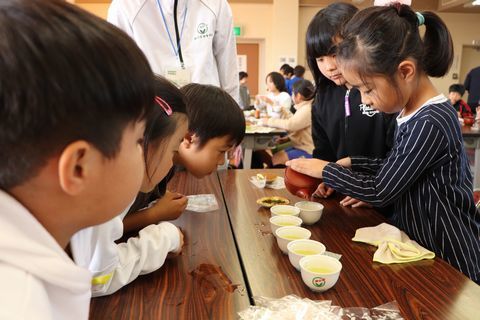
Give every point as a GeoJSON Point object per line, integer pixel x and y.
{"type": "Point", "coordinates": [216, 125]}
{"type": "Point", "coordinates": [187, 41]}
{"type": "Point", "coordinates": [298, 73]}
{"type": "Point", "coordinates": [341, 124]}
{"type": "Point", "coordinates": [426, 175]}
{"type": "Point", "coordinates": [298, 126]}
{"type": "Point", "coordinates": [114, 265]}
{"type": "Point", "coordinates": [277, 102]}
{"type": "Point", "coordinates": [472, 85]}
{"type": "Point", "coordinates": [286, 71]}
{"type": "Point", "coordinates": [244, 92]}
{"type": "Point", "coordinates": [455, 93]}
{"type": "Point", "coordinates": [68, 142]}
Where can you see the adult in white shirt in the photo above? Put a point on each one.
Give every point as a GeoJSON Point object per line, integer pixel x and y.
{"type": "Point", "coordinates": [277, 102]}
{"type": "Point", "coordinates": [205, 51]}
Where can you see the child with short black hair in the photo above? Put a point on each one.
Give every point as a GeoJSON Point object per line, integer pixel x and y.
{"type": "Point", "coordinates": [426, 175]}
{"type": "Point", "coordinates": [455, 94]}
{"type": "Point", "coordinates": [298, 73]}
{"type": "Point", "coordinates": [215, 125]}
{"type": "Point", "coordinates": [71, 125]}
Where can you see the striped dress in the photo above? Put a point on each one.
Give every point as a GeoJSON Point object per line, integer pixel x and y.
{"type": "Point", "coordinates": [427, 177]}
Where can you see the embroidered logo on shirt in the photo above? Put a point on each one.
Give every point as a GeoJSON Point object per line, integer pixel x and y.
{"type": "Point", "coordinates": [202, 32]}
{"type": "Point", "coordinates": [367, 110]}
{"type": "Point", "coordinates": [202, 28]}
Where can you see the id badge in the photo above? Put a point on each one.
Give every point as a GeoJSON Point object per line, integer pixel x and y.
{"type": "Point", "coordinates": [178, 76]}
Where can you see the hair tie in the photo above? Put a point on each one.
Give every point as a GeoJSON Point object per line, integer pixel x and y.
{"type": "Point", "coordinates": [165, 106]}
{"type": "Point", "coordinates": [421, 18]}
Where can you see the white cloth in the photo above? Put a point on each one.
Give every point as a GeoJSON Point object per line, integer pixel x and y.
{"type": "Point", "coordinates": [394, 246]}
{"type": "Point", "coordinates": [115, 265]}
{"type": "Point", "coordinates": [37, 278]}
{"type": "Point", "coordinates": [280, 109]}
{"type": "Point", "coordinates": [207, 41]}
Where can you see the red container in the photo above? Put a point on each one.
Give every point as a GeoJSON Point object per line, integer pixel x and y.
{"type": "Point", "coordinates": [299, 184]}
{"type": "Point", "coordinates": [468, 121]}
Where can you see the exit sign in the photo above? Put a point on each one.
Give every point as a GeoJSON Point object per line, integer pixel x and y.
{"type": "Point", "coordinates": [237, 31]}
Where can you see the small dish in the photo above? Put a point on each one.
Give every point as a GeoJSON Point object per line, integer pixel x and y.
{"type": "Point", "coordinates": [269, 202]}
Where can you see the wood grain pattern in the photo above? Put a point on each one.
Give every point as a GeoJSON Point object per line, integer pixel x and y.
{"type": "Point", "coordinates": [429, 289]}
{"type": "Point", "coordinates": [468, 132]}
{"type": "Point", "coordinates": [204, 282]}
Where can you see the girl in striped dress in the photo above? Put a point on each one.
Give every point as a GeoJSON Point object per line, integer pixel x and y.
{"type": "Point", "coordinates": [426, 175]}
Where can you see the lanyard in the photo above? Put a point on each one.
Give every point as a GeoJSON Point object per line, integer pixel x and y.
{"type": "Point", "coordinates": [178, 51]}
{"type": "Point", "coordinates": [347, 103]}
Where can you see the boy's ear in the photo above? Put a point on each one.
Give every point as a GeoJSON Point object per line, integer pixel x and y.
{"type": "Point", "coordinates": [407, 70]}
{"type": "Point", "coordinates": [189, 139]}
{"type": "Point", "coordinates": [74, 165]}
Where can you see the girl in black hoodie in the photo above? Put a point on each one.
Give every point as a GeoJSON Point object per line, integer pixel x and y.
{"type": "Point", "coordinates": [341, 125]}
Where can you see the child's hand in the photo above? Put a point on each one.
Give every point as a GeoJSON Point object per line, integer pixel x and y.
{"type": "Point", "coordinates": [345, 162]}
{"type": "Point", "coordinates": [311, 167]}
{"type": "Point", "coordinates": [323, 191]}
{"type": "Point", "coordinates": [180, 246]}
{"type": "Point", "coordinates": [170, 207]}
{"type": "Point", "coordinates": [354, 203]}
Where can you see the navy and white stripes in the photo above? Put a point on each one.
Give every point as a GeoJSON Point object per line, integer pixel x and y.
{"type": "Point", "coordinates": [427, 178]}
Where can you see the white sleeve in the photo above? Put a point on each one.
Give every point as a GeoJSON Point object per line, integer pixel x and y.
{"type": "Point", "coordinates": [284, 100]}
{"type": "Point", "coordinates": [118, 17]}
{"type": "Point", "coordinates": [225, 51]}
{"type": "Point", "coordinates": [140, 255]}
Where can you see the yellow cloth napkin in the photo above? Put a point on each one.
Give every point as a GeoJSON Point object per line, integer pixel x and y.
{"type": "Point", "coordinates": [394, 246]}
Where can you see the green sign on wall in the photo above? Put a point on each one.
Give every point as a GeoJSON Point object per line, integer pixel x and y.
{"type": "Point", "coordinates": [237, 31]}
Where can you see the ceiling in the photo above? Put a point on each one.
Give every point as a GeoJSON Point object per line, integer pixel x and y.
{"type": "Point", "coordinates": [461, 6]}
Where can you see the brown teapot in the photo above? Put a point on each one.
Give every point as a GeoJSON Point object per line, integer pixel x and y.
{"type": "Point", "coordinates": [299, 184]}
{"type": "Point", "coordinates": [468, 120]}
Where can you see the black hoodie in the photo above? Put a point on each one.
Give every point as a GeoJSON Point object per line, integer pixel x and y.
{"type": "Point", "coordinates": [366, 132]}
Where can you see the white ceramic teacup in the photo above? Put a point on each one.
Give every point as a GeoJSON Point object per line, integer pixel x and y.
{"type": "Point", "coordinates": [284, 221]}
{"type": "Point", "coordinates": [286, 234]}
{"type": "Point", "coordinates": [298, 249]}
{"type": "Point", "coordinates": [320, 272]}
{"type": "Point", "coordinates": [310, 212]}
{"type": "Point", "coordinates": [284, 210]}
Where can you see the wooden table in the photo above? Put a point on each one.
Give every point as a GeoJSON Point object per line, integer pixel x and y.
{"type": "Point", "coordinates": [429, 289]}
{"type": "Point", "coordinates": [256, 141]}
{"type": "Point", "coordinates": [204, 282]}
{"type": "Point", "coordinates": [472, 140]}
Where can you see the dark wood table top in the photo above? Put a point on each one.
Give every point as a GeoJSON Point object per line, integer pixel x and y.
{"type": "Point", "coordinates": [468, 132]}
{"type": "Point", "coordinates": [428, 289]}
{"type": "Point", "coordinates": [204, 282]}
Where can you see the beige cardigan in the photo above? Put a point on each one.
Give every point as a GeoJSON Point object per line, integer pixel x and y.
{"type": "Point", "coordinates": [299, 126]}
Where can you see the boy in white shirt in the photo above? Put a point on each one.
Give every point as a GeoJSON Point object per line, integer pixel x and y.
{"type": "Point", "coordinates": [71, 124]}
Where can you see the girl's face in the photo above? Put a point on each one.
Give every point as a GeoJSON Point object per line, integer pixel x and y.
{"type": "Point", "coordinates": [328, 67]}
{"type": "Point", "coordinates": [160, 156]}
{"type": "Point", "coordinates": [270, 85]}
{"type": "Point", "coordinates": [378, 91]}
{"type": "Point", "coordinates": [296, 98]}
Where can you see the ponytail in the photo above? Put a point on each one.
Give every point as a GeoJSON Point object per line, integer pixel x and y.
{"type": "Point", "coordinates": [378, 39]}
{"type": "Point", "coordinates": [438, 46]}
